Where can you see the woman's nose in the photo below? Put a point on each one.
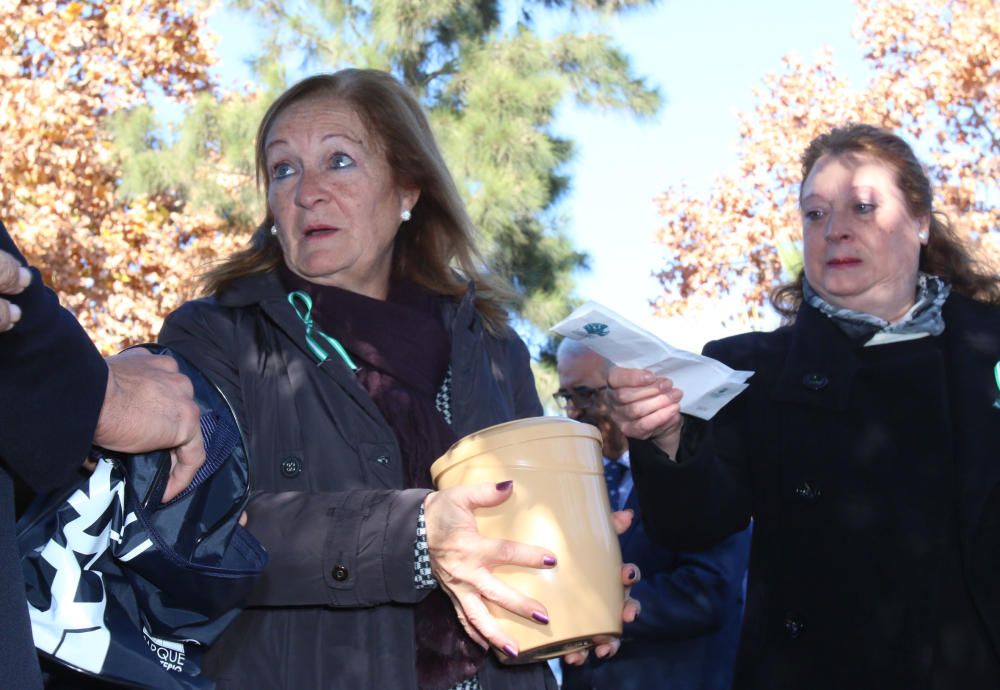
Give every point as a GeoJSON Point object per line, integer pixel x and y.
{"type": "Point", "coordinates": [838, 226]}
{"type": "Point", "coordinates": [310, 190]}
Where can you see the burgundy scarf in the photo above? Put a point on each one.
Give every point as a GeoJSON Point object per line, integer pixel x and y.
{"type": "Point", "coordinates": [404, 350]}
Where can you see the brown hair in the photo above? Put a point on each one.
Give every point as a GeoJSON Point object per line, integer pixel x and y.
{"type": "Point", "coordinates": [945, 254]}
{"type": "Point", "coordinates": [438, 238]}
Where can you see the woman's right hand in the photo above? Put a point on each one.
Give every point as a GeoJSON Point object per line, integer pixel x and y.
{"type": "Point", "coordinates": [606, 646]}
{"type": "Point", "coordinates": [646, 407]}
{"type": "Point", "coordinates": [462, 560]}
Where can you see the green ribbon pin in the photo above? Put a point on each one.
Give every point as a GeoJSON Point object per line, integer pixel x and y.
{"type": "Point", "coordinates": [996, 377]}
{"type": "Point", "coordinates": [304, 312]}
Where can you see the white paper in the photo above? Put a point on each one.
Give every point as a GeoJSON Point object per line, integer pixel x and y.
{"type": "Point", "coordinates": [708, 384]}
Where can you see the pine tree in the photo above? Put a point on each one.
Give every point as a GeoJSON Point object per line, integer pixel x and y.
{"type": "Point", "coordinates": [491, 89]}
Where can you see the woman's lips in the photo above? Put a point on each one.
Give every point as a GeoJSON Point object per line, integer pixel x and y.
{"type": "Point", "coordinates": [844, 261]}
{"type": "Point", "coordinates": [317, 231]}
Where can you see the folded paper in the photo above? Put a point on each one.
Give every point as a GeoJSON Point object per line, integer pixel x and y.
{"type": "Point", "coordinates": [707, 383]}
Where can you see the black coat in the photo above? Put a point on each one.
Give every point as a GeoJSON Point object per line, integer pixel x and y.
{"type": "Point", "coordinates": [334, 605]}
{"type": "Point", "coordinates": [51, 391]}
{"type": "Point", "coordinates": [692, 606]}
{"type": "Point", "coordinates": [873, 477]}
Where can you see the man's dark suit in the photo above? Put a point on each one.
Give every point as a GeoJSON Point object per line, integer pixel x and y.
{"type": "Point", "coordinates": [687, 635]}
{"type": "Point", "coordinates": [52, 385]}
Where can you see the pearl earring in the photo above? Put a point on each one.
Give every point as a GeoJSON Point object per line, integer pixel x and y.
{"type": "Point", "coordinates": [405, 215]}
{"type": "Point", "coordinates": [274, 230]}
{"type": "Point", "coordinates": [922, 236]}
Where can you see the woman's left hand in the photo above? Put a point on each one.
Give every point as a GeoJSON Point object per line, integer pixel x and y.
{"type": "Point", "coordinates": [605, 647]}
{"type": "Point", "coordinates": [462, 561]}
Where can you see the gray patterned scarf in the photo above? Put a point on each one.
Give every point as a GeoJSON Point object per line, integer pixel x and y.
{"type": "Point", "coordinates": [923, 317]}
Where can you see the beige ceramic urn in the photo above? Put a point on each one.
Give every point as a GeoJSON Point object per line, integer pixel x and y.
{"type": "Point", "coordinates": [559, 502]}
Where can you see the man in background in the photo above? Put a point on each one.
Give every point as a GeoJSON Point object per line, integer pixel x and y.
{"type": "Point", "coordinates": [687, 634]}
{"type": "Point", "coordinates": [57, 397]}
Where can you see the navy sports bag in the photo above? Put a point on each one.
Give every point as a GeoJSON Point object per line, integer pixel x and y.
{"type": "Point", "coordinates": [127, 589]}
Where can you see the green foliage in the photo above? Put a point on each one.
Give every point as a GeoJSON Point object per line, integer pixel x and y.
{"type": "Point", "coordinates": [491, 88]}
{"type": "Point", "coordinates": [204, 162]}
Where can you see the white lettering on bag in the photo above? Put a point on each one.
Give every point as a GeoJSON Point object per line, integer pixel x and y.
{"type": "Point", "coordinates": [74, 630]}
{"type": "Point", "coordinates": [169, 652]}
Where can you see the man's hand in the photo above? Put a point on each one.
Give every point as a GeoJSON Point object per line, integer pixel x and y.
{"type": "Point", "coordinates": [149, 405]}
{"type": "Point", "coordinates": [13, 279]}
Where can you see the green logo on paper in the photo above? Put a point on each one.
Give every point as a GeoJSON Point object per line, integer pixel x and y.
{"type": "Point", "coordinates": [597, 329]}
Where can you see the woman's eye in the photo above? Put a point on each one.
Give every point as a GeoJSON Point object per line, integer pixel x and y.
{"type": "Point", "coordinates": [281, 170]}
{"type": "Point", "coordinates": [864, 207]}
{"type": "Point", "coordinates": [814, 214]}
{"type": "Point", "coordinates": [341, 160]}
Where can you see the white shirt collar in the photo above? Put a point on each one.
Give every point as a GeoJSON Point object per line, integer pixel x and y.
{"type": "Point", "coordinates": [623, 459]}
{"type": "Point", "coordinates": [882, 338]}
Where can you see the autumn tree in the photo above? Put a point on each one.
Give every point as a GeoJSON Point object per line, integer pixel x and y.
{"type": "Point", "coordinates": [491, 86]}
{"type": "Point", "coordinates": [935, 69]}
{"type": "Point", "coordinates": [65, 69]}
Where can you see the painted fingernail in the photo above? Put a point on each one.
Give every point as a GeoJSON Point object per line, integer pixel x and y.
{"type": "Point", "coordinates": [503, 486]}
{"type": "Point", "coordinates": [23, 277]}
{"type": "Point", "coordinates": [549, 560]}
{"type": "Point", "coordinates": [509, 650]}
{"type": "Point", "coordinates": [15, 313]}
{"type": "Point", "coordinates": [631, 574]}
{"type": "Point", "coordinates": [540, 617]}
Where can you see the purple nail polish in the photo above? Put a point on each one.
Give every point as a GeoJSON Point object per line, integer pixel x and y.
{"type": "Point", "coordinates": [540, 617]}
{"type": "Point", "coordinates": [503, 486]}
{"type": "Point", "coordinates": [509, 650]}
{"type": "Point", "coordinates": [549, 560]}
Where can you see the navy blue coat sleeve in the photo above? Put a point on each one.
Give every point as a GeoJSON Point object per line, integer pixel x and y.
{"type": "Point", "coordinates": [52, 386]}
{"type": "Point", "coordinates": [696, 596]}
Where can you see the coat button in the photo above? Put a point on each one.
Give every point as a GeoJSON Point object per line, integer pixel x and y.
{"type": "Point", "coordinates": [291, 467]}
{"type": "Point", "coordinates": [815, 381]}
{"type": "Point", "coordinates": [339, 573]}
{"type": "Point", "coordinates": [793, 628]}
{"type": "Point", "coordinates": [382, 459]}
{"type": "Point", "coordinates": [807, 492]}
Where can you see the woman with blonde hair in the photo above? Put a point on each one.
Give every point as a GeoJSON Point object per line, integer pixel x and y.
{"type": "Point", "coordinates": [357, 338]}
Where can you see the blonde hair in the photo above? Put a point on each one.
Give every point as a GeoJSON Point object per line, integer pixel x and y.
{"type": "Point", "coordinates": [436, 248]}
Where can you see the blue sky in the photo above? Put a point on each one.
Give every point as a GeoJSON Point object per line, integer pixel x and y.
{"type": "Point", "coordinates": [706, 56]}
